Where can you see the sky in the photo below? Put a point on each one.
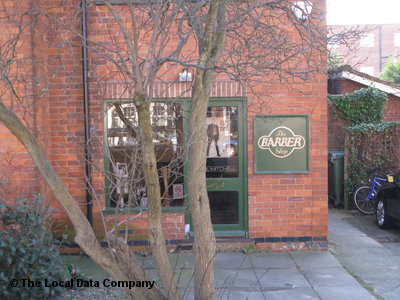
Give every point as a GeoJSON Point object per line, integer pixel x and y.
{"type": "Point", "coordinates": [343, 12]}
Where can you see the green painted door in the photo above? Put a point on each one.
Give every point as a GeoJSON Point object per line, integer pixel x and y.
{"type": "Point", "coordinates": [226, 166]}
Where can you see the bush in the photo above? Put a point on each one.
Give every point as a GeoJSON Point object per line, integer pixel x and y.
{"type": "Point", "coordinates": [372, 146]}
{"type": "Point", "coordinates": [27, 251]}
{"type": "Point", "coordinates": [391, 72]}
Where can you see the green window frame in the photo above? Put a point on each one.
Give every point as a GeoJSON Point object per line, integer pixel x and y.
{"type": "Point", "coordinates": [238, 183]}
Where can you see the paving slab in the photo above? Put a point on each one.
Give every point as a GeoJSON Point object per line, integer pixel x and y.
{"type": "Point", "coordinates": [246, 278]}
{"type": "Point", "coordinates": [232, 260]}
{"type": "Point", "coordinates": [355, 242]}
{"type": "Point", "coordinates": [224, 277]}
{"type": "Point", "coordinates": [278, 260]}
{"type": "Point", "coordinates": [184, 278]}
{"type": "Point", "coordinates": [187, 293]}
{"type": "Point", "coordinates": [391, 294]}
{"type": "Point", "coordinates": [345, 292]}
{"type": "Point", "coordinates": [233, 294]}
{"type": "Point", "coordinates": [281, 279]}
{"type": "Point", "coordinates": [283, 276]}
{"type": "Point", "coordinates": [301, 293]}
{"type": "Point", "coordinates": [181, 260]}
{"type": "Point", "coordinates": [312, 260]}
{"type": "Point", "coordinates": [330, 277]}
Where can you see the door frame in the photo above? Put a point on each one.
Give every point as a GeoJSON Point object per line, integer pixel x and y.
{"type": "Point", "coordinates": [240, 229]}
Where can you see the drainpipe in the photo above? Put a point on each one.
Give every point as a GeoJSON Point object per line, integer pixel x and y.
{"type": "Point", "coordinates": [88, 169]}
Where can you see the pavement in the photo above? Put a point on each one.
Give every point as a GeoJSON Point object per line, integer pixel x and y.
{"type": "Point", "coordinates": [368, 252]}
{"type": "Point", "coordinates": [293, 275]}
{"type": "Point", "coordinates": [279, 275]}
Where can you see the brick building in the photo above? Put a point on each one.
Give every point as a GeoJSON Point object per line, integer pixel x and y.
{"type": "Point", "coordinates": [266, 166]}
{"type": "Point", "coordinates": [380, 44]}
{"type": "Point", "coordinates": [346, 80]}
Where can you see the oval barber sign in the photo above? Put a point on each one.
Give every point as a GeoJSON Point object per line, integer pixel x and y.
{"type": "Point", "coordinates": [281, 142]}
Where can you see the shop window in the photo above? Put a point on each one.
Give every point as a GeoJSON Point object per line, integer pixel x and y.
{"type": "Point", "coordinates": [125, 177]}
{"type": "Point", "coordinates": [367, 40]}
{"type": "Point", "coordinates": [396, 38]}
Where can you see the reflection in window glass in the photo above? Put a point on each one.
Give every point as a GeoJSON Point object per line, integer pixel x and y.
{"type": "Point", "coordinates": [222, 142]}
{"type": "Point", "coordinates": [125, 171]}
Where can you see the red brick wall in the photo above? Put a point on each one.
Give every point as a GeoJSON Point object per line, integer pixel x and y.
{"type": "Point", "coordinates": [173, 225]}
{"type": "Point", "coordinates": [282, 205]}
{"type": "Point", "coordinates": [336, 132]}
{"type": "Point", "coordinates": [63, 120]}
{"type": "Point", "coordinates": [392, 108]}
{"type": "Point", "coordinates": [18, 175]}
{"type": "Point", "coordinates": [292, 205]}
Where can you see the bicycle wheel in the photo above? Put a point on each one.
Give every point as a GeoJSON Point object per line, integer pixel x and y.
{"type": "Point", "coordinates": [363, 204]}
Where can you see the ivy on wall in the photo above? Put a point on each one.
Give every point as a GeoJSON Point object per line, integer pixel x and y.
{"type": "Point", "coordinates": [371, 144]}
{"type": "Point", "coordinates": [361, 106]}
{"type": "Point", "coordinates": [370, 129]}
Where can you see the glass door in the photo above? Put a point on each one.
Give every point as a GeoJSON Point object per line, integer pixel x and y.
{"type": "Point", "coordinates": [225, 166]}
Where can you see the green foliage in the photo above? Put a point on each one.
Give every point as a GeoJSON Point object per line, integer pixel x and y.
{"type": "Point", "coordinates": [372, 146]}
{"type": "Point", "coordinates": [249, 249]}
{"type": "Point", "coordinates": [358, 170]}
{"type": "Point", "coordinates": [27, 251]}
{"type": "Point", "coordinates": [74, 272]}
{"type": "Point", "coordinates": [391, 72]}
{"type": "Point", "coordinates": [361, 106]}
{"type": "Point", "coordinates": [369, 129]}
{"type": "Point", "coordinates": [69, 236]}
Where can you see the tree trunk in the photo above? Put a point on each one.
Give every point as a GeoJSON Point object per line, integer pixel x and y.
{"type": "Point", "coordinates": [150, 172]}
{"type": "Point", "coordinates": [204, 239]}
{"type": "Point", "coordinates": [85, 236]}
{"type": "Point", "coordinates": [211, 46]}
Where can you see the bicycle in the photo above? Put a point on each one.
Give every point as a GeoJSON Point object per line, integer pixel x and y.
{"type": "Point", "coordinates": [365, 196]}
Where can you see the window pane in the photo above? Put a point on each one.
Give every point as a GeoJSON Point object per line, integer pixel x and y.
{"type": "Point", "coordinates": [224, 207]}
{"type": "Point", "coordinates": [367, 40]}
{"type": "Point", "coordinates": [125, 176]}
{"type": "Point", "coordinates": [222, 142]}
{"type": "Point", "coordinates": [396, 38]}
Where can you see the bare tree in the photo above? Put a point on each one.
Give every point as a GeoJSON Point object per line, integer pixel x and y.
{"type": "Point", "coordinates": [344, 43]}
{"type": "Point", "coordinates": [253, 42]}
{"type": "Point", "coordinates": [16, 100]}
